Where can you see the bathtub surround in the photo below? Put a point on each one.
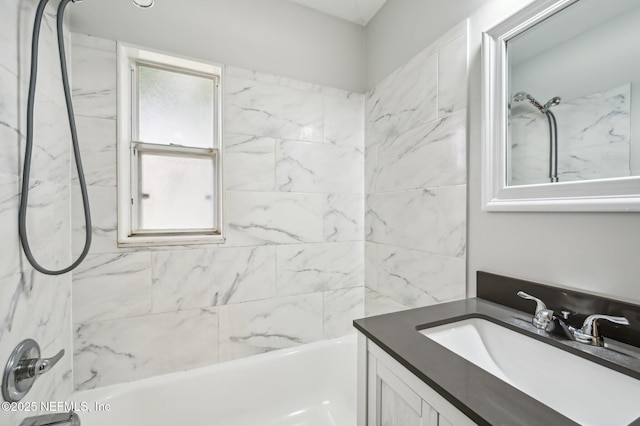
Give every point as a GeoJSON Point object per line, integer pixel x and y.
{"type": "Point", "coordinates": [33, 305]}
{"type": "Point", "coordinates": [291, 271]}
{"type": "Point", "coordinates": [416, 179]}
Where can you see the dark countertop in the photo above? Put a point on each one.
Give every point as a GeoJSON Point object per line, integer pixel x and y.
{"type": "Point", "coordinates": [484, 398]}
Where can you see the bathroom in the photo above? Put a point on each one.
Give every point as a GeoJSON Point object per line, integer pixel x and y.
{"type": "Point", "coordinates": [324, 223]}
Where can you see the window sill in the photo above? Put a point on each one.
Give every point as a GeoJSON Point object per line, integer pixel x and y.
{"type": "Point", "coordinates": [169, 240]}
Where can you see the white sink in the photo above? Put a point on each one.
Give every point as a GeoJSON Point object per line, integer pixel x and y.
{"type": "Point", "coordinates": [581, 390]}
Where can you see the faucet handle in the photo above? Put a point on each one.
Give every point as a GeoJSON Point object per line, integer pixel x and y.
{"type": "Point", "coordinates": [23, 368]}
{"type": "Point", "coordinates": [590, 325]}
{"type": "Point", "coordinates": [543, 316]}
{"type": "Point", "coordinates": [539, 303]}
{"type": "Point", "coordinates": [42, 365]}
{"type": "Point", "coordinates": [589, 332]}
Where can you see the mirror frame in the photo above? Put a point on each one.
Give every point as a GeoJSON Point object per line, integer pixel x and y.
{"type": "Point", "coordinates": [598, 195]}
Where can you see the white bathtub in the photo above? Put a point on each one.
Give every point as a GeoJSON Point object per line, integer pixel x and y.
{"type": "Point", "coordinates": [313, 384]}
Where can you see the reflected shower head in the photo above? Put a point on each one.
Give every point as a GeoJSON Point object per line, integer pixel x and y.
{"type": "Point", "coordinates": [520, 96]}
{"type": "Point", "coordinates": [552, 102]}
{"type": "Point", "coordinates": [143, 4]}
{"type": "Point", "coordinates": [524, 96]}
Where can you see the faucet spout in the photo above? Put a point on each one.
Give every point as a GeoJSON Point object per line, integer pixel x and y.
{"type": "Point", "coordinates": [58, 419]}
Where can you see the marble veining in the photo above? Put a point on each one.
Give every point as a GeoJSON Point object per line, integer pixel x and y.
{"type": "Point", "coordinates": [97, 139]}
{"type": "Point", "coordinates": [103, 219]}
{"type": "Point", "coordinates": [123, 350]}
{"type": "Point", "coordinates": [452, 71]}
{"type": "Point", "coordinates": [404, 100]}
{"type": "Point", "coordinates": [255, 327]}
{"type": "Point", "coordinates": [94, 77]}
{"type": "Point", "coordinates": [415, 180]}
{"type": "Point", "coordinates": [10, 131]}
{"type": "Point", "coordinates": [268, 218]}
{"type": "Point", "coordinates": [405, 219]}
{"type": "Point", "coordinates": [311, 268]}
{"type": "Point", "coordinates": [309, 167]}
{"type": "Point", "coordinates": [110, 286]}
{"type": "Point", "coordinates": [249, 163]}
{"type": "Point", "coordinates": [415, 278]}
{"type": "Point", "coordinates": [344, 218]}
{"type": "Point", "coordinates": [341, 307]}
{"type": "Point", "coordinates": [452, 220]}
{"type": "Point", "coordinates": [344, 121]}
{"type": "Point", "coordinates": [261, 109]}
{"type": "Point", "coordinates": [428, 156]}
{"type": "Point", "coordinates": [209, 277]}
{"type": "Point", "coordinates": [378, 304]}
{"type": "Point", "coordinates": [231, 71]}
{"type": "Point", "coordinates": [9, 204]}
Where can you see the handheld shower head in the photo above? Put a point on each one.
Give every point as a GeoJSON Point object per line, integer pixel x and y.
{"type": "Point", "coordinates": [524, 96]}
{"type": "Point", "coordinates": [521, 96]}
{"type": "Point", "coordinates": [552, 102]}
{"type": "Point", "coordinates": [143, 4]}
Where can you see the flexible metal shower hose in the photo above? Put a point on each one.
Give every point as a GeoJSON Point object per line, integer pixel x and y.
{"type": "Point", "coordinates": [24, 198]}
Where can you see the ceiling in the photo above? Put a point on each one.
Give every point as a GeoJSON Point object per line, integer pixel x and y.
{"type": "Point", "coordinates": [358, 11]}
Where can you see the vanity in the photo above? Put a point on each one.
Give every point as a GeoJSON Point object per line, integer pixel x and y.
{"type": "Point", "coordinates": [411, 372]}
{"type": "Point", "coordinates": [560, 99]}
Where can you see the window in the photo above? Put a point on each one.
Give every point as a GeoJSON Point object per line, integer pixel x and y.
{"type": "Point", "coordinates": [169, 156]}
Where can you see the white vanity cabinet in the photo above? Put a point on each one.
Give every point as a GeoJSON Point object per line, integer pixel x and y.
{"type": "Point", "coordinates": [390, 395]}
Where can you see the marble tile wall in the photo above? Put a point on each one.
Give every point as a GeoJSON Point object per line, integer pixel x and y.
{"type": "Point", "coordinates": [415, 180]}
{"type": "Point", "coordinates": [594, 136]}
{"type": "Point", "coordinates": [33, 305]}
{"type": "Point", "coordinates": [292, 269]}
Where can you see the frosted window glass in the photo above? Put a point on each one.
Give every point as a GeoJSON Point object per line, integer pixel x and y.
{"type": "Point", "coordinates": [176, 193]}
{"type": "Point", "coordinates": [175, 108]}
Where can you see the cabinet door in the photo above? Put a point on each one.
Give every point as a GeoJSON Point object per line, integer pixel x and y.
{"type": "Point", "coordinates": [393, 403]}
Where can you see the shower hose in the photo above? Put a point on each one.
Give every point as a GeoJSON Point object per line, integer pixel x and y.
{"type": "Point", "coordinates": [24, 198]}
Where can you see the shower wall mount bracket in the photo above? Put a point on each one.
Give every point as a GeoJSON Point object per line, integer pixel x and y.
{"type": "Point", "coordinates": [23, 368]}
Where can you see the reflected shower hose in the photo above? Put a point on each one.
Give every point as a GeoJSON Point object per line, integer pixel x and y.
{"type": "Point", "coordinates": [553, 146]}
{"type": "Point", "coordinates": [24, 198]}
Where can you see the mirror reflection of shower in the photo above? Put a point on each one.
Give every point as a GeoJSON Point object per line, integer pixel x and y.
{"type": "Point", "coordinates": [553, 128]}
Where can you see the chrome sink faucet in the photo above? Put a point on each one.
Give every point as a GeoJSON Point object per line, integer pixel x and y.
{"type": "Point", "coordinates": [589, 333]}
{"type": "Point", "coordinates": [543, 316]}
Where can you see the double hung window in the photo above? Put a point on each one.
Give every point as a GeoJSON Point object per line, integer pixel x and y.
{"type": "Point", "coordinates": [169, 156]}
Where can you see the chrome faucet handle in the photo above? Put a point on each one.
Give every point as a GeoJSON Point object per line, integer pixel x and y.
{"type": "Point", "coordinates": [589, 333]}
{"type": "Point", "coordinates": [543, 316]}
{"type": "Point", "coordinates": [23, 368]}
{"type": "Point", "coordinates": [29, 368]}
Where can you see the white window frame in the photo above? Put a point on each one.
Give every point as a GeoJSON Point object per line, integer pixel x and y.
{"type": "Point", "coordinates": [129, 57]}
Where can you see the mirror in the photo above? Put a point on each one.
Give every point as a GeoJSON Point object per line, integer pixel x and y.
{"type": "Point", "coordinates": [561, 108]}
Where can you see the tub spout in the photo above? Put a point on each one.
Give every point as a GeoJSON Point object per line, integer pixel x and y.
{"type": "Point", "coordinates": [59, 419]}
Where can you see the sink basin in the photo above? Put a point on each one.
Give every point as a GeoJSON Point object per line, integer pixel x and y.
{"type": "Point", "coordinates": [581, 390]}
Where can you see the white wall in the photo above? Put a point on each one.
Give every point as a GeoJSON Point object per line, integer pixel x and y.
{"type": "Point", "coordinates": [594, 252]}
{"type": "Point", "coordinates": [272, 36]}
